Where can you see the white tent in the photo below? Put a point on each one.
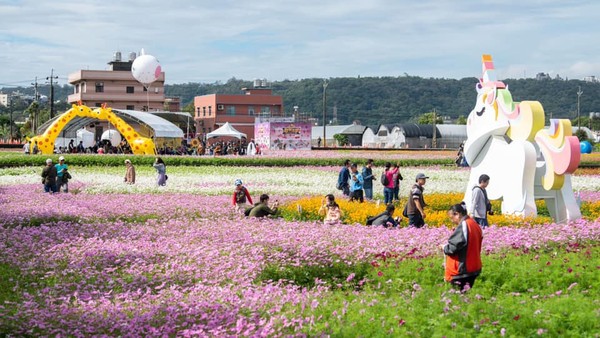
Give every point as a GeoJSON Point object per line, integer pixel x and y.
{"type": "Point", "coordinates": [226, 130]}
{"type": "Point", "coordinates": [86, 136]}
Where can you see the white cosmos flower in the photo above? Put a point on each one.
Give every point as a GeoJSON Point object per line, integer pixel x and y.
{"type": "Point", "coordinates": [213, 180]}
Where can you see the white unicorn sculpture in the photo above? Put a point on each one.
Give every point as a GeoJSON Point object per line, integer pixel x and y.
{"type": "Point", "coordinates": [507, 141]}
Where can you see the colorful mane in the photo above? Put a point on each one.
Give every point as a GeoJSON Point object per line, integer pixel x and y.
{"type": "Point", "coordinates": [526, 120]}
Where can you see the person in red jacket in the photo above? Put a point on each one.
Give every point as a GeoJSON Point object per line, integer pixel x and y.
{"type": "Point", "coordinates": [463, 250]}
{"type": "Point", "coordinates": [241, 197]}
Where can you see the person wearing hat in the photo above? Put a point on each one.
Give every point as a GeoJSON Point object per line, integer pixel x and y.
{"type": "Point", "coordinates": [241, 196]}
{"type": "Point", "coordinates": [415, 206]}
{"type": "Point", "coordinates": [62, 175]}
{"type": "Point", "coordinates": [49, 177]}
{"type": "Point", "coordinates": [129, 173]}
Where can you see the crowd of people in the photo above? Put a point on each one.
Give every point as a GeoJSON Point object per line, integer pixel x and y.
{"type": "Point", "coordinates": [197, 147]}
{"type": "Point", "coordinates": [200, 147]}
{"type": "Point", "coordinates": [463, 262]}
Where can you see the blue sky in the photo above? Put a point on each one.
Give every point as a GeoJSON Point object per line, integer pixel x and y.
{"type": "Point", "coordinates": [207, 41]}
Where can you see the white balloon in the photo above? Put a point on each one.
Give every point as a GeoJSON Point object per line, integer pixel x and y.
{"type": "Point", "coordinates": [146, 69]}
{"type": "Point", "coordinates": [113, 136]}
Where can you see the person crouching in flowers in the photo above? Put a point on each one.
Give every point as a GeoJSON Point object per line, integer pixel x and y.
{"type": "Point", "coordinates": [463, 250]}
{"type": "Point", "coordinates": [333, 213]}
{"type": "Point", "coordinates": [161, 170]}
{"type": "Point", "coordinates": [241, 197]}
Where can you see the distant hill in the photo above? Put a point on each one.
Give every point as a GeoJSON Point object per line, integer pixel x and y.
{"type": "Point", "coordinates": [374, 100]}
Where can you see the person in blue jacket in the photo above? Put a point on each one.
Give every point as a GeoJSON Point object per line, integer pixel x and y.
{"type": "Point", "coordinates": [368, 177]}
{"type": "Point", "coordinates": [356, 184]}
{"type": "Point", "coordinates": [343, 178]}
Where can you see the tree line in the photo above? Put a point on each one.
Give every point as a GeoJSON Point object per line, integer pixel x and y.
{"type": "Point", "coordinates": [369, 100]}
{"type": "Point", "coordinates": [375, 100]}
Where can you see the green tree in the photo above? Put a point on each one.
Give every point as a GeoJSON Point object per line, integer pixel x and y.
{"type": "Point", "coordinates": [581, 135]}
{"type": "Point", "coordinates": [189, 108]}
{"type": "Point", "coordinates": [427, 118]}
{"type": "Point", "coordinates": [341, 139]}
{"type": "Point", "coordinates": [461, 120]}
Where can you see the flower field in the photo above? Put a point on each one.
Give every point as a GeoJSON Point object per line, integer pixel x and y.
{"type": "Point", "coordinates": [110, 259]}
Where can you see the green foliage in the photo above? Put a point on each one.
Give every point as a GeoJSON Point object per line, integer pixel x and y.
{"type": "Point", "coordinates": [334, 275]}
{"type": "Point", "coordinates": [12, 159]}
{"type": "Point", "coordinates": [581, 135]}
{"type": "Point", "coordinates": [189, 108]}
{"type": "Point", "coordinates": [553, 290]}
{"type": "Point", "coordinates": [461, 120]}
{"type": "Point", "coordinates": [427, 118]}
{"type": "Point", "coordinates": [341, 139]}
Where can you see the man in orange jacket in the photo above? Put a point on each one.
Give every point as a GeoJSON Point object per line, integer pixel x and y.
{"type": "Point", "coordinates": [463, 250]}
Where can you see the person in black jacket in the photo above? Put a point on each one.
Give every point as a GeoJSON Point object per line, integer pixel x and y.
{"type": "Point", "coordinates": [49, 177]}
{"type": "Point", "coordinates": [386, 218]}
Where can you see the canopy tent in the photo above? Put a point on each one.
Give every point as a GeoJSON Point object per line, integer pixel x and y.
{"type": "Point", "coordinates": [159, 127]}
{"type": "Point", "coordinates": [226, 130]}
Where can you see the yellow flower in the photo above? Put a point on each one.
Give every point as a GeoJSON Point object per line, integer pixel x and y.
{"type": "Point", "coordinates": [307, 209]}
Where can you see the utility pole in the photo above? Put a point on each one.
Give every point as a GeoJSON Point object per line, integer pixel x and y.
{"type": "Point", "coordinates": [325, 83]}
{"type": "Point", "coordinates": [51, 78]}
{"type": "Point", "coordinates": [434, 136]}
{"type": "Point", "coordinates": [579, 92]}
{"type": "Point", "coordinates": [10, 104]}
{"type": "Point", "coordinates": [36, 97]}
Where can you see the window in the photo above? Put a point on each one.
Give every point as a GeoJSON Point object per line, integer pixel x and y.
{"type": "Point", "coordinates": [130, 90]}
{"type": "Point", "coordinates": [275, 110]}
{"type": "Point", "coordinates": [77, 88]}
{"type": "Point", "coordinates": [203, 111]}
{"type": "Point", "coordinates": [145, 89]}
{"type": "Point", "coordinates": [209, 110]}
{"type": "Point", "coordinates": [251, 110]}
{"type": "Point", "coordinates": [230, 110]}
{"type": "Point", "coordinates": [198, 112]}
{"type": "Point", "coordinates": [144, 108]}
{"type": "Point", "coordinates": [99, 87]}
{"type": "Point", "coordinates": [265, 110]}
{"type": "Point", "coordinates": [155, 90]}
{"type": "Point", "coordinates": [84, 87]}
{"type": "Point", "coordinates": [129, 107]}
{"type": "Point", "coordinates": [98, 105]}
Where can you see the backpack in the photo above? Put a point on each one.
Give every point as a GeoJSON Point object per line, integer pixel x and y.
{"type": "Point", "coordinates": [384, 179]}
{"type": "Point", "coordinates": [488, 203]}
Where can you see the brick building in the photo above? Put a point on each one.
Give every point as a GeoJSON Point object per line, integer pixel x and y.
{"type": "Point", "coordinates": [213, 110]}
{"type": "Point", "coordinates": [116, 87]}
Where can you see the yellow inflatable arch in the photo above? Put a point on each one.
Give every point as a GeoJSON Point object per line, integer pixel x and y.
{"type": "Point", "coordinates": [139, 145]}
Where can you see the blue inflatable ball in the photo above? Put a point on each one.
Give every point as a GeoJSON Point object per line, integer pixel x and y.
{"type": "Point", "coordinates": [586, 147]}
